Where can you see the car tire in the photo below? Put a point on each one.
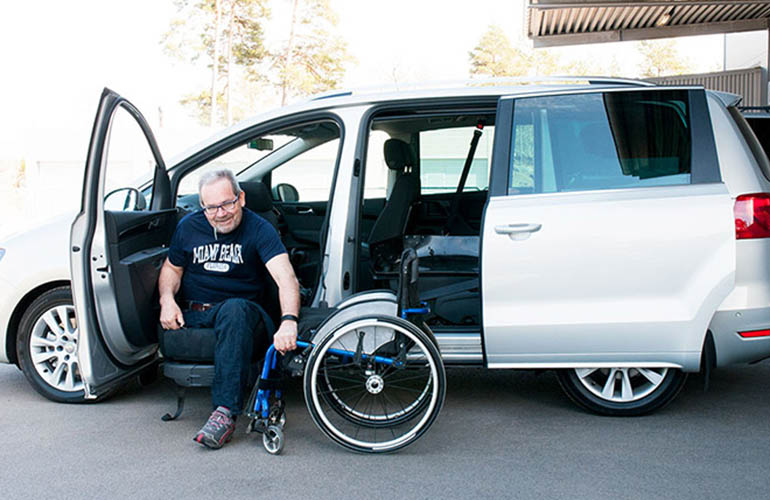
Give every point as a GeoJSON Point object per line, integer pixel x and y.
{"type": "Point", "coordinates": [621, 392]}
{"type": "Point", "coordinates": [46, 346]}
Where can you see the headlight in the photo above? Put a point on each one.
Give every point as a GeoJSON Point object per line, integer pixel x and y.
{"type": "Point", "coordinates": [2, 253]}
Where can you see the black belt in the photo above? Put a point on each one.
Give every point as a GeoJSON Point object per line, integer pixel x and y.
{"type": "Point", "coordinates": [199, 306]}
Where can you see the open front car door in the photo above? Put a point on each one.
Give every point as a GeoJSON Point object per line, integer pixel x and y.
{"type": "Point", "coordinates": [117, 245]}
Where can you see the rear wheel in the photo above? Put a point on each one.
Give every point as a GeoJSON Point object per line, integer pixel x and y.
{"type": "Point", "coordinates": [622, 391]}
{"type": "Point", "coordinates": [47, 346]}
{"type": "Point", "coordinates": [375, 384]}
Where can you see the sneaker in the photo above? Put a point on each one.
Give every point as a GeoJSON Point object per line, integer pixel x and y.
{"type": "Point", "coordinates": [218, 429]}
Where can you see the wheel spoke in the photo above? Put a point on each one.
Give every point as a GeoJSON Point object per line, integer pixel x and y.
{"type": "Point", "coordinates": [64, 318]}
{"type": "Point", "coordinates": [43, 357]}
{"type": "Point", "coordinates": [654, 377]}
{"type": "Point", "coordinates": [56, 376]}
{"type": "Point", "coordinates": [52, 322]}
{"type": "Point", "coordinates": [609, 385]}
{"type": "Point", "coordinates": [585, 372]}
{"type": "Point", "coordinates": [626, 391]}
{"type": "Point", "coordinates": [41, 342]}
{"type": "Point", "coordinates": [410, 389]}
{"type": "Point", "coordinates": [69, 378]}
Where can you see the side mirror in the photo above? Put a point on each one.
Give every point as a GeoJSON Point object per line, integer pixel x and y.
{"type": "Point", "coordinates": [127, 199]}
{"type": "Point", "coordinates": [285, 192]}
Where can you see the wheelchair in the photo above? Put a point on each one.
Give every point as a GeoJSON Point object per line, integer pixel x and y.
{"type": "Point", "coordinates": [373, 377]}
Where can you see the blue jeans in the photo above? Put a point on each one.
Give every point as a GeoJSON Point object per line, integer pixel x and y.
{"type": "Point", "coordinates": [239, 326]}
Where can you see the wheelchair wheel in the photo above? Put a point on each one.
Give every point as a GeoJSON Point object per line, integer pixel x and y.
{"type": "Point", "coordinates": [272, 440]}
{"type": "Point", "coordinates": [375, 384]}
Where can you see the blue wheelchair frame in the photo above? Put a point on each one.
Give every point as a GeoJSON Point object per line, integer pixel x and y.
{"type": "Point", "coordinates": [269, 419]}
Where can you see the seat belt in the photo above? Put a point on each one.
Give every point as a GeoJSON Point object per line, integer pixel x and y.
{"type": "Point", "coordinates": [454, 208]}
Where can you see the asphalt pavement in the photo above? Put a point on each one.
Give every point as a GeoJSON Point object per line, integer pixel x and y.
{"type": "Point", "coordinates": [501, 434]}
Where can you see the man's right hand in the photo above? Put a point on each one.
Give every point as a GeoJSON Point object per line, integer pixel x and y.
{"type": "Point", "coordinates": [171, 317]}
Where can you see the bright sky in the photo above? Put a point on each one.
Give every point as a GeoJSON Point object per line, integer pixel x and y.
{"type": "Point", "coordinates": [57, 56]}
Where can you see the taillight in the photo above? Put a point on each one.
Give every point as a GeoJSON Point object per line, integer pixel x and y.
{"type": "Point", "coordinates": [752, 216]}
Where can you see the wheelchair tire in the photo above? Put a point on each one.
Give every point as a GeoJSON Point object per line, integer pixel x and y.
{"type": "Point", "coordinates": [375, 402]}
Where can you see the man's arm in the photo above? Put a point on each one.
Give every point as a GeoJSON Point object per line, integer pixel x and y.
{"type": "Point", "coordinates": [170, 279]}
{"type": "Point", "coordinates": [280, 269]}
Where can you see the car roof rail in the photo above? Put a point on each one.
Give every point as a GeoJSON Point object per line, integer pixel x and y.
{"type": "Point", "coordinates": [481, 82]}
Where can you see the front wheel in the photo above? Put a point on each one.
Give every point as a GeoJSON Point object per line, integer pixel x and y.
{"type": "Point", "coordinates": [622, 391]}
{"type": "Point", "coordinates": [47, 347]}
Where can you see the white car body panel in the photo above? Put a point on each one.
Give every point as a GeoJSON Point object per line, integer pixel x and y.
{"type": "Point", "coordinates": [32, 259]}
{"type": "Point", "coordinates": [646, 293]}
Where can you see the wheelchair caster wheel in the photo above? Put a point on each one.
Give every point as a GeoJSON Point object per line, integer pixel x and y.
{"type": "Point", "coordinates": [272, 439]}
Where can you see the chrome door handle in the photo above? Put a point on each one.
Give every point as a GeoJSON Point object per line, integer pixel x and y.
{"type": "Point", "coordinates": [305, 211]}
{"type": "Point", "coordinates": [518, 231]}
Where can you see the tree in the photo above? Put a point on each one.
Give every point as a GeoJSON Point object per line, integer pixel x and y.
{"type": "Point", "coordinates": [495, 56]}
{"type": "Point", "coordinates": [228, 35]}
{"type": "Point", "coordinates": [312, 59]}
{"type": "Point", "coordinates": [660, 58]}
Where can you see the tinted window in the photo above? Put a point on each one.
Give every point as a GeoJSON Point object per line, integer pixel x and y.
{"type": "Point", "coordinates": [600, 141]}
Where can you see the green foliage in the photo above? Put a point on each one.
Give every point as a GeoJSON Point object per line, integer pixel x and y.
{"type": "Point", "coordinates": [660, 58]}
{"type": "Point", "coordinates": [227, 35]}
{"type": "Point", "coordinates": [313, 58]}
{"type": "Point", "coordinates": [495, 56]}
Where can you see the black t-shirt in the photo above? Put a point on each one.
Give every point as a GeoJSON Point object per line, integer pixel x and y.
{"type": "Point", "coordinates": [222, 266]}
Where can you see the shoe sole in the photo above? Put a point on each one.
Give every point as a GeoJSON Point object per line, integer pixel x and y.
{"type": "Point", "coordinates": [211, 443]}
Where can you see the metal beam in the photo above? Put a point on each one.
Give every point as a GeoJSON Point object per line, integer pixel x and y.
{"type": "Point", "coordinates": [651, 33]}
{"type": "Point", "coordinates": [584, 4]}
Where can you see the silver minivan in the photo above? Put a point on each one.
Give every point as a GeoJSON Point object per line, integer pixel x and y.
{"type": "Point", "coordinates": [612, 230]}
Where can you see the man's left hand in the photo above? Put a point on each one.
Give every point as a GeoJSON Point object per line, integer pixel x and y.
{"type": "Point", "coordinates": [285, 339]}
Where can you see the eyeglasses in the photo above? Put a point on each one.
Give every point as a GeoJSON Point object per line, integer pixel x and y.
{"type": "Point", "coordinates": [227, 206]}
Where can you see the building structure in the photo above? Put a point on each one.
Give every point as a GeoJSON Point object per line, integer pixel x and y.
{"type": "Point", "coordinates": [745, 24]}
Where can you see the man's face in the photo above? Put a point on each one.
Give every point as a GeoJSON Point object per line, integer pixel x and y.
{"type": "Point", "coordinates": [225, 219]}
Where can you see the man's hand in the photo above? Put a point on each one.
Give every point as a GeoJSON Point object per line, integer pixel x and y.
{"type": "Point", "coordinates": [171, 317]}
{"type": "Point", "coordinates": [285, 339]}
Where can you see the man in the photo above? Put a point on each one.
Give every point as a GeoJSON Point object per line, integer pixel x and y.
{"type": "Point", "coordinates": [217, 259]}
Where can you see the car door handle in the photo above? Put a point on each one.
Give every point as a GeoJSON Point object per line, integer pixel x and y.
{"type": "Point", "coordinates": [305, 211]}
{"type": "Point", "coordinates": [518, 232]}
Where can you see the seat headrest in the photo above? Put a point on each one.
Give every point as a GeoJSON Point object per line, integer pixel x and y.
{"type": "Point", "coordinates": [257, 196]}
{"type": "Point", "coordinates": [398, 154]}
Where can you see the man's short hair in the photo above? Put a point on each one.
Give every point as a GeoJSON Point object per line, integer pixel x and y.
{"type": "Point", "coordinates": [215, 175]}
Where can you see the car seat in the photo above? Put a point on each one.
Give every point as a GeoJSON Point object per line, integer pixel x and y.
{"type": "Point", "coordinates": [385, 241]}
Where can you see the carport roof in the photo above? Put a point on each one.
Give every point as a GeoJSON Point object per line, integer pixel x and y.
{"type": "Point", "coordinates": [572, 22]}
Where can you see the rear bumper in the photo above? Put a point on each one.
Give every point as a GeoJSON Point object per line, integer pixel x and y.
{"type": "Point", "coordinates": [730, 347]}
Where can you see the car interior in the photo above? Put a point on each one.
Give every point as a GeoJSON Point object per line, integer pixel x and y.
{"type": "Point", "coordinates": [436, 188]}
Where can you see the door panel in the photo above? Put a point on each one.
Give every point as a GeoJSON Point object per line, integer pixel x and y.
{"type": "Point", "coordinates": [624, 275]}
{"type": "Point", "coordinates": [116, 256]}
{"type": "Point", "coordinates": [578, 269]}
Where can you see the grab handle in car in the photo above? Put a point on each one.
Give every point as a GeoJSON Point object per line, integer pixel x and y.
{"type": "Point", "coordinates": [518, 231]}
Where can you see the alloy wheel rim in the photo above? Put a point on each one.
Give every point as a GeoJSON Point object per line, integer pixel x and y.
{"type": "Point", "coordinates": [621, 385]}
{"type": "Point", "coordinates": [53, 348]}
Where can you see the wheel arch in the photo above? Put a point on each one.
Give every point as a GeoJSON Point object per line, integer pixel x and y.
{"type": "Point", "coordinates": [21, 307]}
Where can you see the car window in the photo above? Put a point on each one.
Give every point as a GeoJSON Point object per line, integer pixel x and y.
{"type": "Point", "coordinates": [237, 160]}
{"type": "Point", "coordinates": [442, 157]}
{"type": "Point", "coordinates": [302, 156]}
{"type": "Point", "coordinates": [600, 141]}
{"type": "Point", "coordinates": [376, 170]}
{"type": "Point", "coordinates": [311, 172]}
{"type": "Point", "coordinates": [129, 163]}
